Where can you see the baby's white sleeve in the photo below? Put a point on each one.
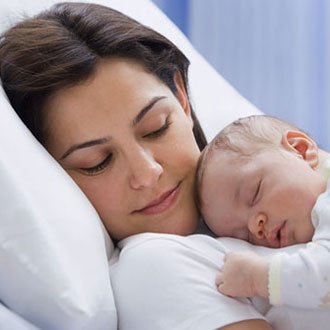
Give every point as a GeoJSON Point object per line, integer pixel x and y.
{"type": "Point", "coordinates": [302, 279]}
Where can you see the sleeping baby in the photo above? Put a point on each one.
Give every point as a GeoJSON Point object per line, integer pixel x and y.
{"type": "Point", "coordinates": [265, 181]}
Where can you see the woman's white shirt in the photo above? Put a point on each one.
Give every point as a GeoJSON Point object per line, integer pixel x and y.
{"type": "Point", "coordinates": [168, 282]}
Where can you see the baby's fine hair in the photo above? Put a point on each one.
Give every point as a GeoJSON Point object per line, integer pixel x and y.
{"type": "Point", "coordinates": [243, 137]}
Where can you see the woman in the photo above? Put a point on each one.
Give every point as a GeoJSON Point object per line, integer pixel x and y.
{"type": "Point", "coordinates": [108, 99]}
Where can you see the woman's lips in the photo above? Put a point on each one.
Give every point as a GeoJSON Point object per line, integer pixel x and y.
{"type": "Point", "coordinates": [162, 203]}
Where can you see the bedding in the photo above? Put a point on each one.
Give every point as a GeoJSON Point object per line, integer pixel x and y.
{"type": "Point", "coordinates": [54, 251]}
{"type": "Point", "coordinates": [10, 320]}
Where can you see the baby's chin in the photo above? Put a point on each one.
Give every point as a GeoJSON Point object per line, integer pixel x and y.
{"type": "Point", "coordinates": [305, 236]}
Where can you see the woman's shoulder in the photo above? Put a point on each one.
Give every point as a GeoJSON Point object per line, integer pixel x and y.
{"type": "Point", "coordinates": [161, 244]}
{"type": "Point", "coordinates": [171, 279]}
{"type": "Point", "coordinates": [173, 255]}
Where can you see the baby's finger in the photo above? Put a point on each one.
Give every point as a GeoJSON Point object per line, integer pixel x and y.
{"type": "Point", "coordinates": [227, 255]}
{"type": "Point", "coordinates": [219, 279]}
{"type": "Point", "coordinates": [222, 289]}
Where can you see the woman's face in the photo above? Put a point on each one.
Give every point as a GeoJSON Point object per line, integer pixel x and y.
{"type": "Point", "coordinates": [127, 141]}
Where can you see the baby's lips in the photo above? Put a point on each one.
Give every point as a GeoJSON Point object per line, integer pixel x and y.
{"type": "Point", "coordinates": [273, 237]}
{"type": "Point", "coordinates": [284, 235]}
{"type": "Point", "coordinates": [277, 236]}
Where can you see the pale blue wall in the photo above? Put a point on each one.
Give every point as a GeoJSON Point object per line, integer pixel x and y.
{"type": "Point", "coordinates": [275, 52]}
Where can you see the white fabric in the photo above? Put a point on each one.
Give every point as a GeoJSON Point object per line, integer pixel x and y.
{"type": "Point", "coordinates": [282, 317]}
{"type": "Point", "coordinates": [303, 279]}
{"type": "Point", "coordinates": [53, 248]}
{"type": "Point", "coordinates": [11, 321]}
{"type": "Point", "coordinates": [168, 282]}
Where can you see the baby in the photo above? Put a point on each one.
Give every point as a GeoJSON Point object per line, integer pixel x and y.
{"type": "Point", "coordinates": [265, 181]}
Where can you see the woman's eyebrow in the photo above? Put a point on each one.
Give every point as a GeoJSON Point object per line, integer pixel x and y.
{"type": "Point", "coordinates": [83, 145]}
{"type": "Point", "coordinates": [146, 109]}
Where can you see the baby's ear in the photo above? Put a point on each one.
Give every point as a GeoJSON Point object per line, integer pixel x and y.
{"type": "Point", "coordinates": [301, 144]}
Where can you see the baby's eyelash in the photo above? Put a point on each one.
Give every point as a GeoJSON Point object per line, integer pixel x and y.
{"type": "Point", "coordinates": [99, 167]}
{"type": "Point", "coordinates": [256, 193]}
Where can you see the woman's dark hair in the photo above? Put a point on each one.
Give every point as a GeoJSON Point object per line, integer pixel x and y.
{"type": "Point", "coordinates": [61, 47]}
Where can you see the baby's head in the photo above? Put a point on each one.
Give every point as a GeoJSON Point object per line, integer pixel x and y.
{"type": "Point", "coordinates": [257, 181]}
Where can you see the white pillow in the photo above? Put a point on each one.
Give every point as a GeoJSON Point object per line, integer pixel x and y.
{"type": "Point", "coordinates": [53, 247]}
{"type": "Point", "coordinates": [53, 262]}
{"type": "Point", "coordinates": [11, 321]}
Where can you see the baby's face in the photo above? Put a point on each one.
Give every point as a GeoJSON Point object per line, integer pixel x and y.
{"type": "Point", "coordinates": [266, 199]}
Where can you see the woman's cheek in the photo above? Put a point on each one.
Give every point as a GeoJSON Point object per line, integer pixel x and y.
{"type": "Point", "coordinates": [103, 195]}
{"type": "Point", "coordinates": [184, 145]}
{"type": "Point", "coordinates": [189, 153]}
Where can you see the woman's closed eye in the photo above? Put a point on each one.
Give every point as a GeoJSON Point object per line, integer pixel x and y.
{"type": "Point", "coordinates": [160, 131]}
{"type": "Point", "coordinates": [99, 167]}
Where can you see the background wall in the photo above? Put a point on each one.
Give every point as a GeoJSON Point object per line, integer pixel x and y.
{"type": "Point", "coordinates": [276, 53]}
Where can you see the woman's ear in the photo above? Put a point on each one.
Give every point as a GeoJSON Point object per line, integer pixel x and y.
{"type": "Point", "coordinates": [301, 144]}
{"type": "Point", "coordinates": [182, 95]}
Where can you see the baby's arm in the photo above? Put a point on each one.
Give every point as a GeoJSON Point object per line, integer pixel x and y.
{"type": "Point", "coordinates": [301, 279]}
{"type": "Point", "coordinates": [244, 274]}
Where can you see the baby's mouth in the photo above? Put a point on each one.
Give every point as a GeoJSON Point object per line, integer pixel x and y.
{"type": "Point", "coordinates": [281, 235]}
{"type": "Point", "coordinates": [278, 236]}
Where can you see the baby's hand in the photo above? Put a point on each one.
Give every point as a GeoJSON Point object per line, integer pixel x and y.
{"type": "Point", "coordinates": [244, 274]}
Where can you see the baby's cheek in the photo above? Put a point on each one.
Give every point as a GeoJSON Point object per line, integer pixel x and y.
{"type": "Point", "coordinates": [306, 233]}
{"type": "Point", "coordinates": [214, 224]}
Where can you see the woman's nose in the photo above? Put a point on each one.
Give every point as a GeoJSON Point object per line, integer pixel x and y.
{"type": "Point", "coordinates": [256, 225]}
{"type": "Point", "coordinates": [145, 171]}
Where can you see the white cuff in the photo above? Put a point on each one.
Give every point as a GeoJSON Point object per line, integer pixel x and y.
{"type": "Point", "coordinates": [274, 280]}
